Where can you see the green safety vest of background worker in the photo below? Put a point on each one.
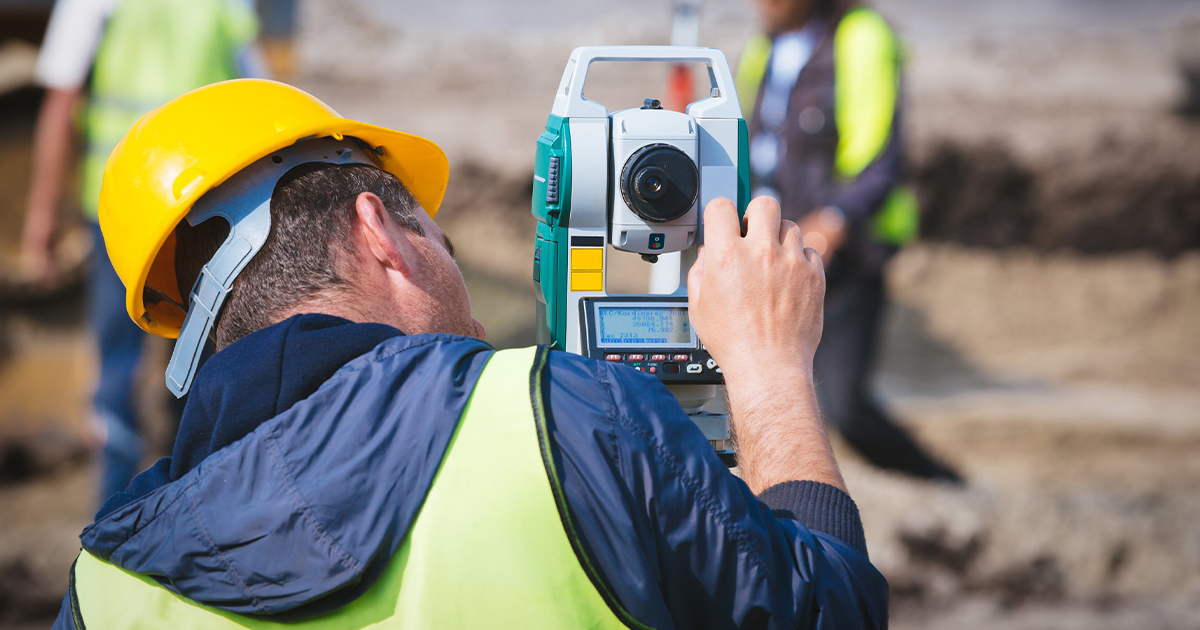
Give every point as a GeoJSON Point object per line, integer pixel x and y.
{"type": "Point", "coordinates": [120, 59]}
{"type": "Point", "coordinates": [821, 92]}
{"type": "Point", "coordinates": [354, 455]}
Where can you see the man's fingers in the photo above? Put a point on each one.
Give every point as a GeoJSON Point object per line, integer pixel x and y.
{"type": "Point", "coordinates": [815, 258]}
{"type": "Point", "coordinates": [762, 217]}
{"type": "Point", "coordinates": [721, 224]}
{"type": "Point", "coordinates": [790, 236]}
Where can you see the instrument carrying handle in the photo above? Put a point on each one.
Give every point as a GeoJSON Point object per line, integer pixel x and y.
{"type": "Point", "coordinates": [722, 101]}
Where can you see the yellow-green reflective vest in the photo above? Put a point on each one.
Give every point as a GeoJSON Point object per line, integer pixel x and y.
{"type": "Point", "coordinates": [487, 550]}
{"type": "Point", "coordinates": [151, 52]}
{"type": "Point", "coordinates": [865, 92]}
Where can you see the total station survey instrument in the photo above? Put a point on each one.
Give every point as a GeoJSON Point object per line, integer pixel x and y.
{"type": "Point", "coordinates": [636, 181]}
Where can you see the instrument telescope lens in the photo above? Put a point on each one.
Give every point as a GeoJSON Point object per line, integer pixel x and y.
{"type": "Point", "coordinates": [660, 183]}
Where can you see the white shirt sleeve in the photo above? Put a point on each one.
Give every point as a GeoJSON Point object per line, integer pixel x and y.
{"type": "Point", "coordinates": [71, 41]}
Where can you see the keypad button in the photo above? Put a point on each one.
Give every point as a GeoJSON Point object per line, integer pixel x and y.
{"type": "Point", "coordinates": [637, 357]}
{"type": "Point", "coordinates": [682, 358]}
{"type": "Point", "coordinates": [654, 369]}
{"type": "Point", "coordinates": [710, 364]}
{"type": "Point", "coordinates": [658, 357]}
{"type": "Point", "coordinates": [694, 368]}
{"type": "Point", "coordinates": [612, 357]}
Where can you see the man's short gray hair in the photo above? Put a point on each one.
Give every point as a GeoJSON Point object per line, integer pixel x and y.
{"type": "Point", "coordinates": [312, 215]}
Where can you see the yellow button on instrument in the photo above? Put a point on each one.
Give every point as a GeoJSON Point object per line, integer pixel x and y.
{"type": "Point", "coordinates": [587, 259]}
{"type": "Point", "coordinates": [587, 281]}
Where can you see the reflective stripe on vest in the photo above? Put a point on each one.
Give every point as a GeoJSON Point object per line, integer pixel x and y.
{"type": "Point", "coordinates": [487, 550]}
{"type": "Point", "coordinates": [866, 58]}
{"type": "Point", "coordinates": [151, 52]}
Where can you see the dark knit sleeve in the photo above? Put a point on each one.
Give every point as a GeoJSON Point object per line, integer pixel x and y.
{"type": "Point", "coordinates": [818, 506]}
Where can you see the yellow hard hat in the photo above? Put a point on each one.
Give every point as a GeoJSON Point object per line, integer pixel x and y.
{"type": "Point", "coordinates": [180, 151]}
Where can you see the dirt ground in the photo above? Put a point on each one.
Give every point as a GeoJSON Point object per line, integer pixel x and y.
{"type": "Point", "coordinates": [1043, 336]}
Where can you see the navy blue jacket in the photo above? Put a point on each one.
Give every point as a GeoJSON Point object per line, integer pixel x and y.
{"type": "Point", "coordinates": [306, 450]}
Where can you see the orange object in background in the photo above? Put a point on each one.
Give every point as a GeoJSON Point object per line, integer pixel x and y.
{"type": "Point", "coordinates": [277, 30]}
{"type": "Point", "coordinates": [279, 53]}
{"type": "Point", "coordinates": [680, 87]}
{"type": "Point", "coordinates": [685, 31]}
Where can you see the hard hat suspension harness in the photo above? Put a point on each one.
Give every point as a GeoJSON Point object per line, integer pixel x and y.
{"type": "Point", "coordinates": [244, 200]}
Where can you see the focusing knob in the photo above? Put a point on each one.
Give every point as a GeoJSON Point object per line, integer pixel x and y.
{"type": "Point", "coordinates": [659, 183]}
{"type": "Point", "coordinates": [651, 103]}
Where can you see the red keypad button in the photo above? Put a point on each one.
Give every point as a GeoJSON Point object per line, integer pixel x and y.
{"type": "Point", "coordinates": [654, 369]}
{"type": "Point", "coordinates": [637, 357]}
{"type": "Point", "coordinates": [658, 357]}
{"type": "Point", "coordinates": [612, 357]}
{"type": "Point", "coordinates": [682, 357]}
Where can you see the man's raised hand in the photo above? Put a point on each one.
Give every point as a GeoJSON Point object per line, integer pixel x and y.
{"type": "Point", "coordinates": [756, 300]}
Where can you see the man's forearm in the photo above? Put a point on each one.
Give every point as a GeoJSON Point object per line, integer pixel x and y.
{"type": "Point", "coordinates": [778, 430]}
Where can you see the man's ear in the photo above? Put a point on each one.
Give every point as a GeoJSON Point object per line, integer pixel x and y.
{"type": "Point", "coordinates": [372, 226]}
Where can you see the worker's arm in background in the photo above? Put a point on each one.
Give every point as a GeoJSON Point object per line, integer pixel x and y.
{"type": "Point", "coordinates": [52, 152]}
{"type": "Point", "coordinates": [66, 57]}
{"type": "Point", "coordinates": [673, 535]}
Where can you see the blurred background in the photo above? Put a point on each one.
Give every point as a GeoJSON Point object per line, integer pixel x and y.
{"type": "Point", "coordinates": [1042, 336]}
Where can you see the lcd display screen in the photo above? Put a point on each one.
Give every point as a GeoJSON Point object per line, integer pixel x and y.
{"type": "Point", "coordinates": [638, 326]}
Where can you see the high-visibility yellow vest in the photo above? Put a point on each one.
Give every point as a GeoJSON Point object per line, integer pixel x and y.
{"type": "Point", "coordinates": [151, 52]}
{"type": "Point", "coordinates": [866, 58]}
{"type": "Point", "coordinates": [491, 547]}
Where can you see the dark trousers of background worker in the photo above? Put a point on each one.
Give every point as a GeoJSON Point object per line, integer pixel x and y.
{"type": "Point", "coordinates": [843, 366]}
{"type": "Point", "coordinates": [119, 346]}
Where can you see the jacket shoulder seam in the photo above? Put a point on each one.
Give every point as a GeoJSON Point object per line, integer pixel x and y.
{"type": "Point", "coordinates": [602, 375]}
{"type": "Point", "coordinates": [704, 498]}
{"type": "Point", "coordinates": [150, 521]}
{"type": "Point", "coordinates": [220, 554]}
{"type": "Point", "coordinates": [303, 507]}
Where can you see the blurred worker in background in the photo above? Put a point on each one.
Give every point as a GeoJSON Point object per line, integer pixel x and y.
{"type": "Point", "coordinates": [821, 92]}
{"type": "Point", "coordinates": [119, 59]}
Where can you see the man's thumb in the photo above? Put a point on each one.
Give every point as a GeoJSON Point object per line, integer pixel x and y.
{"type": "Point", "coordinates": [695, 277]}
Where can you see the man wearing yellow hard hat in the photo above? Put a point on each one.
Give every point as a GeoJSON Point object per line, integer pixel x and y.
{"type": "Point", "coordinates": [355, 456]}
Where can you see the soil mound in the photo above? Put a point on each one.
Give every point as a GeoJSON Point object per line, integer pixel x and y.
{"type": "Point", "coordinates": [1130, 196]}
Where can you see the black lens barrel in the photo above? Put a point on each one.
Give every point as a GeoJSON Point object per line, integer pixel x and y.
{"type": "Point", "coordinates": [659, 183]}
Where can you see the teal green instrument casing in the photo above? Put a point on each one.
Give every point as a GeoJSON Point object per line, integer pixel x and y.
{"type": "Point", "coordinates": [553, 213]}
